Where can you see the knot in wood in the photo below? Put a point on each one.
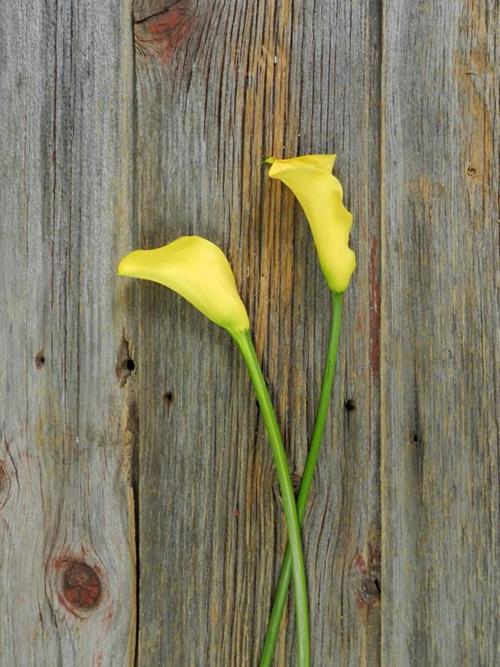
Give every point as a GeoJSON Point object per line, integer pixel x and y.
{"type": "Point", "coordinates": [369, 591]}
{"type": "Point", "coordinates": [160, 34]}
{"type": "Point", "coordinates": [81, 586]}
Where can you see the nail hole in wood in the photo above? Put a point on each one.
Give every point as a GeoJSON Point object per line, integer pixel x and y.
{"type": "Point", "coordinates": [129, 365]}
{"type": "Point", "coordinates": [125, 365]}
{"type": "Point", "coordinates": [350, 405]}
{"type": "Point", "coordinates": [39, 360]}
{"type": "Point", "coordinates": [168, 397]}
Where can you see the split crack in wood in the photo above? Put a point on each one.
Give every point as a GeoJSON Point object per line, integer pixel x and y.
{"type": "Point", "coordinates": [160, 12]}
{"type": "Point", "coordinates": [5, 485]}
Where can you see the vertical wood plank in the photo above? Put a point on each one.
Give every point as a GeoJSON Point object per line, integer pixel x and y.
{"type": "Point", "coordinates": [339, 63]}
{"type": "Point", "coordinates": [219, 87]}
{"type": "Point", "coordinates": [440, 336]}
{"type": "Point", "coordinates": [66, 526]}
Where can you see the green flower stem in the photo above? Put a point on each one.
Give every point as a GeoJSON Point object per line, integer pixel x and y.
{"type": "Point", "coordinates": [296, 559]}
{"type": "Point", "coordinates": [307, 478]}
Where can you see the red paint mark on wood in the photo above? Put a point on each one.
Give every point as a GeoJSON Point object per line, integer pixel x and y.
{"type": "Point", "coordinates": [374, 308]}
{"type": "Point", "coordinates": [160, 35]}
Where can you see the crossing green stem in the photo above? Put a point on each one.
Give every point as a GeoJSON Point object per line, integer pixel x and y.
{"type": "Point", "coordinates": [307, 478]}
{"type": "Point", "coordinates": [297, 568]}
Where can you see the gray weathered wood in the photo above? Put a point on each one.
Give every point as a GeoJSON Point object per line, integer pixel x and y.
{"type": "Point", "coordinates": [440, 335]}
{"type": "Point", "coordinates": [122, 408]}
{"type": "Point", "coordinates": [66, 525]}
{"type": "Point", "coordinates": [247, 80]}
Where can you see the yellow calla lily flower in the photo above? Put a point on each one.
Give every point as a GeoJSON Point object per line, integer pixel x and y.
{"type": "Point", "coordinates": [320, 194]}
{"type": "Point", "coordinates": [199, 271]}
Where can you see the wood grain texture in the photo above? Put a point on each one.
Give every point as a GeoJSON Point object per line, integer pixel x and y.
{"type": "Point", "coordinates": [248, 80]}
{"type": "Point", "coordinates": [440, 333]}
{"type": "Point", "coordinates": [66, 546]}
{"type": "Point", "coordinates": [127, 422]}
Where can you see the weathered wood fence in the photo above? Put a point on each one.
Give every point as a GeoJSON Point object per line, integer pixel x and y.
{"type": "Point", "coordinates": [140, 521]}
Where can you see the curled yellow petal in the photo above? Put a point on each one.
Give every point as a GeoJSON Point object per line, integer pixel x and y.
{"type": "Point", "coordinates": [320, 194]}
{"type": "Point", "coordinates": [196, 269]}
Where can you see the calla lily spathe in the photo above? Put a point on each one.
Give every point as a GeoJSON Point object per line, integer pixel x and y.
{"type": "Point", "coordinates": [320, 194]}
{"type": "Point", "coordinates": [199, 271]}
